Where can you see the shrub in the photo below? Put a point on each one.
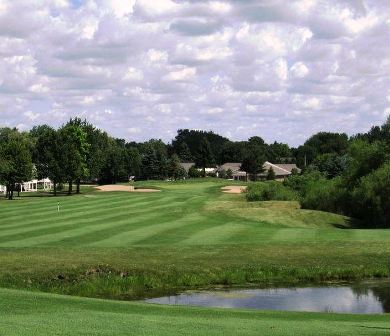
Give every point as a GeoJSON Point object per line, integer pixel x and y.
{"type": "Point", "coordinates": [194, 172]}
{"type": "Point", "coordinates": [271, 174]}
{"type": "Point", "coordinates": [222, 173]}
{"type": "Point", "coordinates": [269, 191]}
{"type": "Point", "coordinates": [324, 195]}
{"type": "Point", "coordinates": [301, 183]}
{"type": "Point", "coordinates": [229, 174]}
{"type": "Point", "coordinates": [371, 198]}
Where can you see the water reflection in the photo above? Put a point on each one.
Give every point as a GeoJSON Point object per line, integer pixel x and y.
{"type": "Point", "coordinates": [363, 298]}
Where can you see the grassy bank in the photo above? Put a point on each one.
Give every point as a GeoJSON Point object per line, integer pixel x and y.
{"type": "Point", "coordinates": [23, 313]}
{"type": "Point", "coordinates": [189, 235]}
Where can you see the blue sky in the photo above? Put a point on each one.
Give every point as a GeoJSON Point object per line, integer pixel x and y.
{"type": "Point", "coordinates": [282, 70]}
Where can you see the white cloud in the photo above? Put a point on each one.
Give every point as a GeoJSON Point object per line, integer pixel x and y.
{"type": "Point", "coordinates": [181, 75]}
{"type": "Point", "coordinates": [299, 65]}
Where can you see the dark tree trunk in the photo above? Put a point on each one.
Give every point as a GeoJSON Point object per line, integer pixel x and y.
{"type": "Point", "coordinates": [78, 186]}
{"type": "Point", "coordinates": [11, 191]}
{"type": "Point", "coordinates": [55, 187]}
{"type": "Point", "coordinates": [70, 187]}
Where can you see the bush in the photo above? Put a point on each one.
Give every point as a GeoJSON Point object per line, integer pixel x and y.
{"type": "Point", "coordinates": [371, 198]}
{"type": "Point", "coordinates": [324, 195]}
{"type": "Point", "coordinates": [222, 174]}
{"type": "Point", "coordinates": [301, 183]}
{"type": "Point", "coordinates": [194, 172]}
{"type": "Point", "coordinates": [229, 174]}
{"type": "Point", "coordinates": [269, 191]}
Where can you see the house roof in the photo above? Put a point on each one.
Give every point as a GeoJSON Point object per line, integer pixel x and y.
{"type": "Point", "coordinates": [187, 165]}
{"type": "Point", "coordinates": [288, 166]}
{"type": "Point", "coordinates": [233, 166]}
{"type": "Point", "coordinates": [278, 170]}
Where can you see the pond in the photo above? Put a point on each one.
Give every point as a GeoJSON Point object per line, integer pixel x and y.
{"type": "Point", "coordinates": [362, 298]}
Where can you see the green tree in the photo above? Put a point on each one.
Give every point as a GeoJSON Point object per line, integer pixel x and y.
{"type": "Point", "coordinates": [47, 154]}
{"type": "Point", "coordinates": [184, 152]}
{"type": "Point", "coordinates": [115, 167]}
{"type": "Point", "coordinates": [371, 198]}
{"type": "Point", "coordinates": [154, 160]}
{"type": "Point", "coordinates": [134, 161]}
{"type": "Point", "coordinates": [74, 147]}
{"type": "Point", "coordinates": [204, 157]}
{"type": "Point", "coordinates": [175, 170]}
{"type": "Point", "coordinates": [15, 158]}
{"type": "Point", "coordinates": [252, 165]}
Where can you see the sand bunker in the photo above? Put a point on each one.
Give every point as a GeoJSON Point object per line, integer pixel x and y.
{"type": "Point", "coordinates": [118, 187]}
{"type": "Point", "coordinates": [233, 189]}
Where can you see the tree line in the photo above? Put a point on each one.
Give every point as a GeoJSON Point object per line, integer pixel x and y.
{"type": "Point", "coordinates": [79, 152]}
{"type": "Point", "coordinates": [348, 175]}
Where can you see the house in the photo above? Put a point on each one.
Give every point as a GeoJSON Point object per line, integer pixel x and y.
{"type": "Point", "coordinates": [237, 173]}
{"type": "Point", "coordinates": [282, 170]}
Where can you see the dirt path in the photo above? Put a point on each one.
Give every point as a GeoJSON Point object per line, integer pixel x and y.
{"type": "Point", "coordinates": [118, 187]}
{"type": "Point", "coordinates": [233, 189]}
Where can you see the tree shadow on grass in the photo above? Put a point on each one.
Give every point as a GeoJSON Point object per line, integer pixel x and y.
{"type": "Point", "coordinates": [350, 223]}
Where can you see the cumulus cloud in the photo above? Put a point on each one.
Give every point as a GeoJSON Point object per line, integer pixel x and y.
{"type": "Point", "coordinates": [140, 68]}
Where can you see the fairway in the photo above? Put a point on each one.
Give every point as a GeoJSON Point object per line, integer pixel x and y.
{"type": "Point", "coordinates": [183, 214]}
{"type": "Point", "coordinates": [124, 245]}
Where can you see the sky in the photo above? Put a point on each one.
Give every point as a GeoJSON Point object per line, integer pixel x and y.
{"type": "Point", "coordinates": [141, 69]}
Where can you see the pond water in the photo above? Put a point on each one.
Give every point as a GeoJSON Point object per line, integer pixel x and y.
{"type": "Point", "coordinates": [362, 298]}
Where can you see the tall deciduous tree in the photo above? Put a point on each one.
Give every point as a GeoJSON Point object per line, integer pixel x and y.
{"type": "Point", "coordinates": [47, 154]}
{"type": "Point", "coordinates": [204, 156]}
{"type": "Point", "coordinates": [74, 148]}
{"type": "Point", "coordinates": [15, 158]}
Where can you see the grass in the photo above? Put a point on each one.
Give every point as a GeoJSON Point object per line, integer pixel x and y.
{"type": "Point", "coordinates": [123, 245]}
{"type": "Point", "coordinates": [24, 313]}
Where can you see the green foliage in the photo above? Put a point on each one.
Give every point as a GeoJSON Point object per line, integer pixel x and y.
{"type": "Point", "coordinates": [279, 152]}
{"type": "Point", "coordinates": [184, 152]}
{"type": "Point", "coordinates": [229, 174]}
{"type": "Point", "coordinates": [301, 183]}
{"type": "Point", "coordinates": [194, 172]}
{"type": "Point", "coordinates": [222, 174]}
{"type": "Point", "coordinates": [269, 191]}
{"type": "Point", "coordinates": [74, 148]}
{"type": "Point", "coordinates": [175, 170]}
{"type": "Point", "coordinates": [204, 156]}
{"type": "Point", "coordinates": [47, 154]}
{"type": "Point", "coordinates": [322, 143]}
{"type": "Point", "coordinates": [271, 174]}
{"type": "Point", "coordinates": [193, 140]}
{"type": "Point", "coordinates": [15, 158]}
{"type": "Point", "coordinates": [154, 160]}
{"type": "Point", "coordinates": [364, 158]}
{"type": "Point", "coordinates": [331, 164]}
{"type": "Point", "coordinates": [371, 198]}
{"type": "Point", "coordinates": [324, 195]}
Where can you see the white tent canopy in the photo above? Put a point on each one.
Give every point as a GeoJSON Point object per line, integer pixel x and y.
{"type": "Point", "coordinates": [32, 186]}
